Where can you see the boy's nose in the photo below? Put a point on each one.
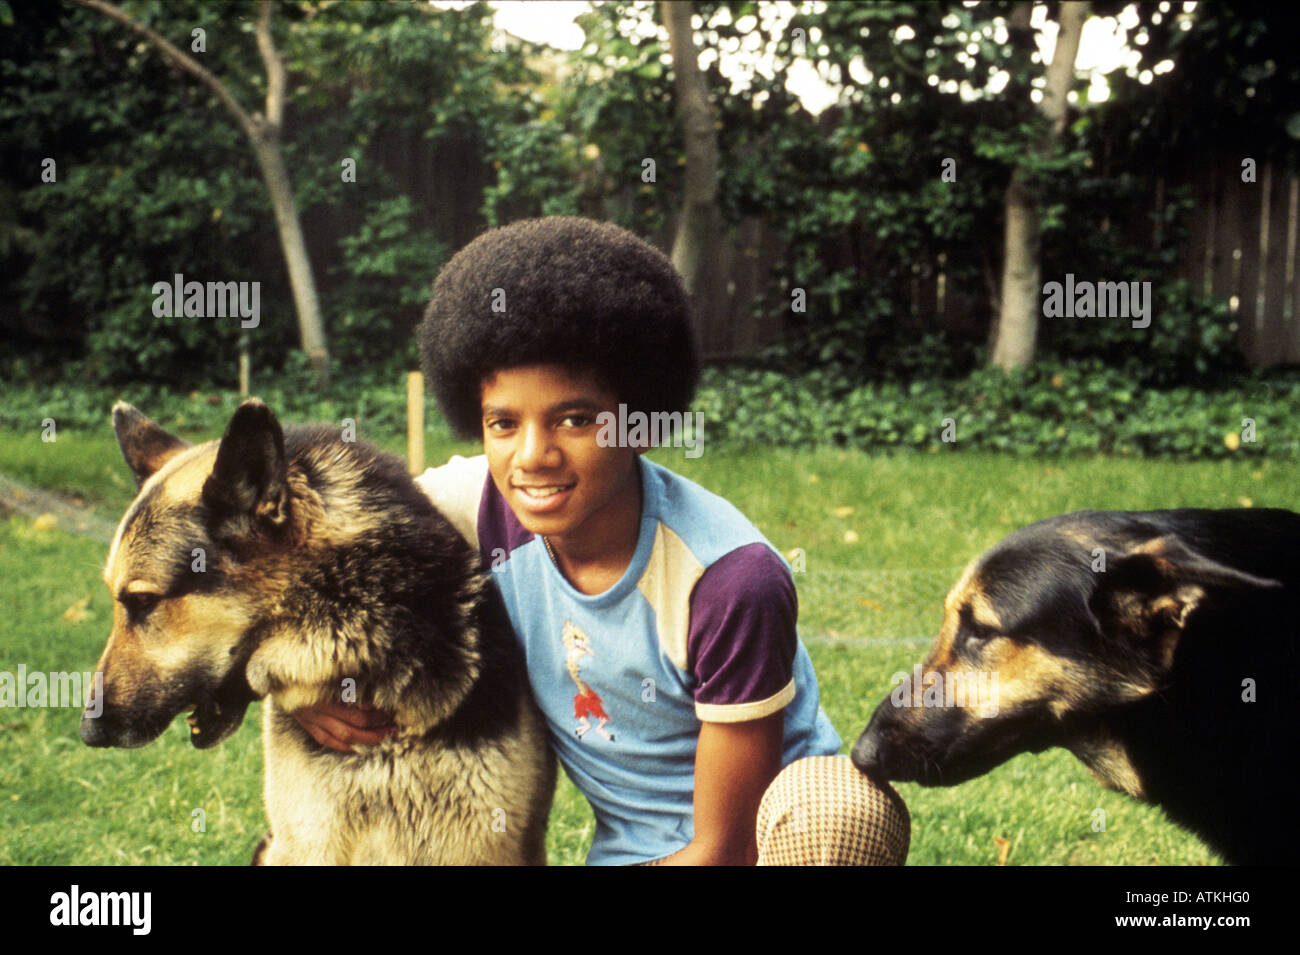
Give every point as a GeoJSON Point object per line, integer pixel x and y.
{"type": "Point", "coordinates": [535, 449]}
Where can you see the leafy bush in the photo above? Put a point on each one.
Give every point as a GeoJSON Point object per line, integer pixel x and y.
{"type": "Point", "coordinates": [374, 398]}
{"type": "Point", "coordinates": [388, 265]}
{"type": "Point", "coordinates": [1191, 339]}
{"type": "Point", "coordinates": [854, 351]}
{"type": "Point", "coordinates": [1051, 409]}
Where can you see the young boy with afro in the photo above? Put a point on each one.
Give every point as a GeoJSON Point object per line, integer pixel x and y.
{"type": "Point", "coordinates": [657, 623]}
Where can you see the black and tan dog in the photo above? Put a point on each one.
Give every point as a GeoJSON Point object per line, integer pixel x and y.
{"type": "Point", "coordinates": [298, 567]}
{"type": "Point", "coordinates": [1160, 647]}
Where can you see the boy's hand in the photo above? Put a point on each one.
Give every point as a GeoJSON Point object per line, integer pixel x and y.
{"type": "Point", "coordinates": [339, 726]}
{"type": "Point", "coordinates": [734, 765]}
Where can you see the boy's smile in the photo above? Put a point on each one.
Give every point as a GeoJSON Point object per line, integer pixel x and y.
{"type": "Point", "coordinates": [539, 434]}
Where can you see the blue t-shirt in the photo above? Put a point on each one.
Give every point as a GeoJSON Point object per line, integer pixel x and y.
{"type": "Point", "coordinates": [701, 627]}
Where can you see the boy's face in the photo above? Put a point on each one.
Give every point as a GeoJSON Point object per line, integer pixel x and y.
{"type": "Point", "coordinates": [539, 433]}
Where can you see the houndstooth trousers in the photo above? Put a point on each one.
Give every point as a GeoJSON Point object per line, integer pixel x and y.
{"type": "Point", "coordinates": [821, 811]}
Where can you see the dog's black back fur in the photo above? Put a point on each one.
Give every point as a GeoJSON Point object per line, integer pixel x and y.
{"type": "Point", "coordinates": [1220, 766]}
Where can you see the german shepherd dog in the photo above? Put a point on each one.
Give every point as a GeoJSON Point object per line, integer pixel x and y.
{"type": "Point", "coordinates": [1159, 647]}
{"type": "Point", "coordinates": [294, 566]}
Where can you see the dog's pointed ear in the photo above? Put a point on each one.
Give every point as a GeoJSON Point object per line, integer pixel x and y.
{"type": "Point", "coordinates": [1147, 594]}
{"type": "Point", "coordinates": [145, 446]}
{"type": "Point", "coordinates": [248, 485]}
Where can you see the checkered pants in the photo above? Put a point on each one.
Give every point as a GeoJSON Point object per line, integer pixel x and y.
{"type": "Point", "coordinates": [822, 811]}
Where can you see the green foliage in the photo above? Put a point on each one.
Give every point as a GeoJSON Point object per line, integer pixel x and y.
{"type": "Point", "coordinates": [857, 195]}
{"type": "Point", "coordinates": [1234, 90]}
{"type": "Point", "coordinates": [536, 162]}
{"type": "Point", "coordinates": [578, 146]}
{"type": "Point", "coordinates": [1051, 409]}
{"type": "Point", "coordinates": [154, 179]}
{"type": "Point", "coordinates": [147, 187]}
{"type": "Point", "coordinates": [1083, 406]}
{"type": "Point", "coordinates": [852, 351]}
{"type": "Point", "coordinates": [1192, 339]}
{"type": "Point", "coordinates": [862, 180]}
{"type": "Point", "coordinates": [575, 146]}
{"type": "Point", "coordinates": [374, 397]}
{"type": "Point", "coordinates": [385, 266]}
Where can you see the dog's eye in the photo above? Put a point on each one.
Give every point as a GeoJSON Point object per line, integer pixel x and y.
{"type": "Point", "coordinates": [973, 629]}
{"type": "Point", "coordinates": [138, 605]}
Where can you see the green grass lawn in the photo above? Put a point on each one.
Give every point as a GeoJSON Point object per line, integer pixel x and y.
{"type": "Point", "coordinates": [883, 538]}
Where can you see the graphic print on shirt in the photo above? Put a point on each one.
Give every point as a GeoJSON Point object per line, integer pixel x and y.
{"type": "Point", "coordinates": [587, 704]}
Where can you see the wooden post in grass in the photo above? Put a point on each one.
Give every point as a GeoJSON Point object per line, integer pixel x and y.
{"type": "Point", "coordinates": [415, 422]}
{"type": "Point", "coordinates": [245, 365]}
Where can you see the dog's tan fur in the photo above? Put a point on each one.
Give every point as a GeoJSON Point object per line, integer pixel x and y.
{"type": "Point", "coordinates": [467, 779]}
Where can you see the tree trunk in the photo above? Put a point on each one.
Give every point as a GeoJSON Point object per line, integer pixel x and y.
{"type": "Point", "coordinates": [301, 280]}
{"type": "Point", "coordinates": [699, 230]}
{"type": "Point", "coordinates": [1015, 332]}
{"type": "Point", "coordinates": [264, 135]}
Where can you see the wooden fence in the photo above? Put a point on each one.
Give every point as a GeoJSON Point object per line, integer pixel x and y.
{"type": "Point", "coordinates": [1241, 249]}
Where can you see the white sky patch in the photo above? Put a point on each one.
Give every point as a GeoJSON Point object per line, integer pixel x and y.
{"type": "Point", "coordinates": [1098, 90]}
{"type": "Point", "coordinates": [1107, 44]}
{"type": "Point", "coordinates": [815, 93]}
{"type": "Point", "coordinates": [549, 22]}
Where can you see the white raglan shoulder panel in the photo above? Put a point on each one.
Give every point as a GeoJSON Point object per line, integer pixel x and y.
{"type": "Point", "coordinates": [456, 489]}
{"type": "Point", "coordinates": [671, 573]}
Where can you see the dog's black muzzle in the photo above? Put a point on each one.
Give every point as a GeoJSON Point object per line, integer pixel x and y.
{"type": "Point", "coordinates": [887, 750]}
{"type": "Point", "coordinates": [217, 713]}
{"type": "Point", "coordinates": [944, 746]}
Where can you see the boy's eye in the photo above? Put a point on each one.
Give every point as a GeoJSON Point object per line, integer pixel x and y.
{"type": "Point", "coordinates": [577, 420]}
{"type": "Point", "coordinates": [499, 424]}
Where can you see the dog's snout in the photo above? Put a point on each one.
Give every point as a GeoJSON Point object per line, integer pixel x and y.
{"type": "Point", "coordinates": [866, 753]}
{"type": "Point", "coordinates": [875, 753]}
{"type": "Point", "coordinates": [891, 748]}
{"type": "Point", "coordinates": [93, 731]}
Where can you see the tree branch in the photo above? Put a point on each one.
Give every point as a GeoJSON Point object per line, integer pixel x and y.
{"type": "Point", "coordinates": [264, 135]}
{"type": "Point", "coordinates": [274, 67]}
{"type": "Point", "coordinates": [180, 60]}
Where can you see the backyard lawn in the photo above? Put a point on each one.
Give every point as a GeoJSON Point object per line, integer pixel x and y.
{"type": "Point", "coordinates": [882, 539]}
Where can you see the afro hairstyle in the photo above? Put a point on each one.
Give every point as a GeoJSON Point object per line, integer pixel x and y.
{"type": "Point", "coordinates": [566, 291]}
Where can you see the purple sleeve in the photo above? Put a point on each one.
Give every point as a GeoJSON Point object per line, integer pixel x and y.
{"type": "Point", "coordinates": [742, 639]}
{"type": "Point", "coordinates": [499, 531]}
